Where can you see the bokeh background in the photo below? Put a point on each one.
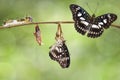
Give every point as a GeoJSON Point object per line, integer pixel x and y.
{"type": "Point", "coordinates": [21, 58]}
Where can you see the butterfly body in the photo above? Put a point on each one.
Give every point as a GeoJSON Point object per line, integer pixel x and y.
{"type": "Point", "coordinates": [90, 25]}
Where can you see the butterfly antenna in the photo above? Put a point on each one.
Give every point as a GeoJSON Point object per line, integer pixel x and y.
{"type": "Point", "coordinates": [89, 7]}
{"type": "Point", "coordinates": [96, 8]}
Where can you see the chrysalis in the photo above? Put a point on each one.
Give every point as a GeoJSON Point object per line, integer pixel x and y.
{"type": "Point", "coordinates": [37, 35]}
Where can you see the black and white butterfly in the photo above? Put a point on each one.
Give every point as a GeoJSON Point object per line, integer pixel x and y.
{"type": "Point", "coordinates": [59, 52]}
{"type": "Point", "coordinates": [93, 26]}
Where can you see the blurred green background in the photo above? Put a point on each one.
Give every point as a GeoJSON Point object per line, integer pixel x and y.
{"type": "Point", "coordinates": [21, 58]}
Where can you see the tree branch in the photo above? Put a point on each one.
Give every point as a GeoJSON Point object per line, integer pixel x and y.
{"type": "Point", "coordinates": [50, 22]}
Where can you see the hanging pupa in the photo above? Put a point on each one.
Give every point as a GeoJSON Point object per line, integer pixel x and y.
{"type": "Point", "coordinates": [38, 35]}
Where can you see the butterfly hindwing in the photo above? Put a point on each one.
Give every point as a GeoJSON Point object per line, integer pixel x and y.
{"type": "Point", "coordinates": [84, 23]}
{"type": "Point", "coordinates": [95, 31]}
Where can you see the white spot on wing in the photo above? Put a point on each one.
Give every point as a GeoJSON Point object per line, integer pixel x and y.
{"type": "Point", "coordinates": [79, 14]}
{"type": "Point", "coordinates": [57, 48]}
{"type": "Point", "coordinates": [84, 22]}
{"type": "Point", "coordinates": [94, 26]}
{"type": "Point", "coordinates": [100, 23]}
{"type": "Point", "coordinates": [83, 12]}
{"type": "Point", "coordinates": [82, 18]}
{"type": "Point", "coordinates": [78, 8]}
{"type": "Point", "coordinates": [109, 16]}
{"type": "Point", "coordinates": [102, 17]}
{"type": "Point", "coordinates": [105, 20]}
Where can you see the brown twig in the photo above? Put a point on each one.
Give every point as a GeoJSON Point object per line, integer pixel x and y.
{"type": "Point", "coordinates": [117, 26]}
{"type": "Point", "coordinates": [32, 23]}
{"type": "Point", "coordinates": [50, 22]}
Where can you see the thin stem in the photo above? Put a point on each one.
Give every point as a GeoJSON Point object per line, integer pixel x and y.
{"type": "Point", "coordinates": [117, 26]}
{"type": "Point", "coordinates": [50, 22]}
{"type": "Point", "coordinates": [32, 23]}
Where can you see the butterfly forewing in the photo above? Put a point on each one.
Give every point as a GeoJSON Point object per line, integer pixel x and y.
{"type": "Point", "coordinates": [79, 13]}
{"type": "Point", "coordinates": [84, 23]}
{"type": "Point", "coordinates": [81, 18]}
